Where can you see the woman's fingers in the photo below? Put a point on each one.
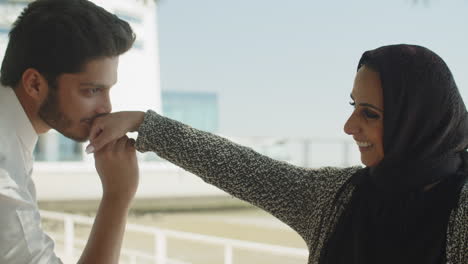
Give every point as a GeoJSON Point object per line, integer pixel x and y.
{"type": "Point", "coordinates": [104, 137]}
{"type": "Point", "coordinates": [111, 127]}
{"type": "Point", "coordinates": [96, 128]}
{"type": "Point", "coordinates": [101, 134]}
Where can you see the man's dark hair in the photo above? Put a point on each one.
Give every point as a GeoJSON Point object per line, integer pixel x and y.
{"type": "Point", "coordinates": [61, 36]}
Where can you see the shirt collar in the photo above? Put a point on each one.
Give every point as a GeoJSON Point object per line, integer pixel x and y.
{"type": "Point", "coordinates": [17, 119]}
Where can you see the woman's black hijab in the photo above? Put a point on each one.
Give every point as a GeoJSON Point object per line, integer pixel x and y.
{"type": "Point", "coordinates": [400, 208]}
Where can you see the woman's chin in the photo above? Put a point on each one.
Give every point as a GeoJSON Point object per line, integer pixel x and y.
{"type": "Point", "coordinates": [370, 162]}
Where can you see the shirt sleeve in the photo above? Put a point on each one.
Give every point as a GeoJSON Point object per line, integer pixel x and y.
{"type": "Point", "coordinates": [288, 192]}
{"type": "Point", "coordinates": [22, 239]}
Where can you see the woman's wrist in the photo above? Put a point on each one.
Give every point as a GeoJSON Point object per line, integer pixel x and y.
{"type": "Point", "coordinates": [137, 118]}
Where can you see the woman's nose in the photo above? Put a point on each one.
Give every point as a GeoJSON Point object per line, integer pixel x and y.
{"type": "Point", "coordinates": [351, 127]}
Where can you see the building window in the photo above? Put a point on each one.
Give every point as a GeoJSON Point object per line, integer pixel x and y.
{"type": "Point", "coordinates": [55, 147]}
{"type": "Point", "coordinates": [197, 109]}
{"type": "Point", "coordinates": [69, 150]}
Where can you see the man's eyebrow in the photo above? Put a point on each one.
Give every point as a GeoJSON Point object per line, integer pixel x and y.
{"type": "Point", "coordinates": [98, 85]}
{"type": "Point", "coordinates": [368, 105]}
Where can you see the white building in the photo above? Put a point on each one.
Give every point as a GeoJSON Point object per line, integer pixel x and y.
{"type": "Point", "coordinates": [62, 170]}
{"type": "Point", "coordinates": [138, 88]}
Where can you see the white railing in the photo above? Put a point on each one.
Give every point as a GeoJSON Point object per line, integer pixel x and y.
{"type": "Point", "coordinates": [306, 152]}
{"type": "Point", "coordinates": [160, 237]}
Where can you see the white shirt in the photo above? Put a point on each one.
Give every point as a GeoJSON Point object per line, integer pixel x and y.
{"type": "Point", "coordinates": [22, 239]}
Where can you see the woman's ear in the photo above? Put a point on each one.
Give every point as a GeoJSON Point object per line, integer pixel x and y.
{"type": "Point", "coordinates": [34, 84]}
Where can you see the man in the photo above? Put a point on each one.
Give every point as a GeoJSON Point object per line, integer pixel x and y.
{"type": "Point", "coordinates": [59, 66]}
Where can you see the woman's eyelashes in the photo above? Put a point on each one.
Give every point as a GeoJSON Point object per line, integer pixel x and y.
{"type": "Point", "coordinates": [370, 114]}
{"type": "Point", "coordinates": [366, 112]}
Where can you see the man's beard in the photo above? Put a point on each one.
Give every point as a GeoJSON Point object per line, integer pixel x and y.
{"type": "Point", "coordinates": [51, 114]}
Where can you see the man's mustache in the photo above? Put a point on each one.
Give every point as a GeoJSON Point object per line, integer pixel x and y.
{"type": "Point", "coordinates": [93, 118]}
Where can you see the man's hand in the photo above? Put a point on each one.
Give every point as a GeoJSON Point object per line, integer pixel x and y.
{"type": "Point", "coordinates": [117, 166]}
{"type": "Point", "coordinates": [113, 126]}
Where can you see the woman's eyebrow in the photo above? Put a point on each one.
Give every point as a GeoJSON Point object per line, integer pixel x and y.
{"type": "Point", "coordinates": [371, 106]}
{"type": "Point", "coordinates": [368, 105]}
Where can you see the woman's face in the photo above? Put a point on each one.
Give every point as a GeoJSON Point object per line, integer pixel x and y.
{"type": "Point", "coordinates": [366, 122]}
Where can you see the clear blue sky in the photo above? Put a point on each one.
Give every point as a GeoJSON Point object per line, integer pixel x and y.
{"type": "Point", "coordinates": [286, 68]}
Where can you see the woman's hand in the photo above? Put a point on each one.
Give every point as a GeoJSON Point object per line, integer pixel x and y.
{"type": "Point", "coordinates": [111, 127]}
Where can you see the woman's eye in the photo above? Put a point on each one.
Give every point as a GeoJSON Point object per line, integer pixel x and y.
{"type": "Point", "coordinates": [353, 104]}
{"type": "Point", "coordinates": [370, 114]}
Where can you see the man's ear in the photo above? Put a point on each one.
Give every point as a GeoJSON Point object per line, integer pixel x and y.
{"type": "Point", "coordinates": [34, 84]}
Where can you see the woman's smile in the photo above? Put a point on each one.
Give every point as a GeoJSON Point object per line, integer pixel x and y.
{"type": "Point", "coordinates": [364, 145]}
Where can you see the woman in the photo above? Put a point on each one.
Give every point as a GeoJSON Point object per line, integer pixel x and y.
{"type": "Point", "coordinates": [408, 205]}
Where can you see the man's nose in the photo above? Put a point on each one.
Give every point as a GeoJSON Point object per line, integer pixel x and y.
{"type": "Point", "coordinates": [105, 106]}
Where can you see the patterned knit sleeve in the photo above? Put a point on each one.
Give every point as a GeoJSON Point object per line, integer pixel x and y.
{"type": "Point", "coordinates": [288, 192]}
{"type": "Point", "coordinates": [457, 232]}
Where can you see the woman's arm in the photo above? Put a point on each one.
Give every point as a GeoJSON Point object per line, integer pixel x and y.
{"type": "Point", "coordinates": [288, 192]}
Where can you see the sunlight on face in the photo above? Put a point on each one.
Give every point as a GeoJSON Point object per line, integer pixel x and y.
{"type": "Point", "coordinates": [366, 122]}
